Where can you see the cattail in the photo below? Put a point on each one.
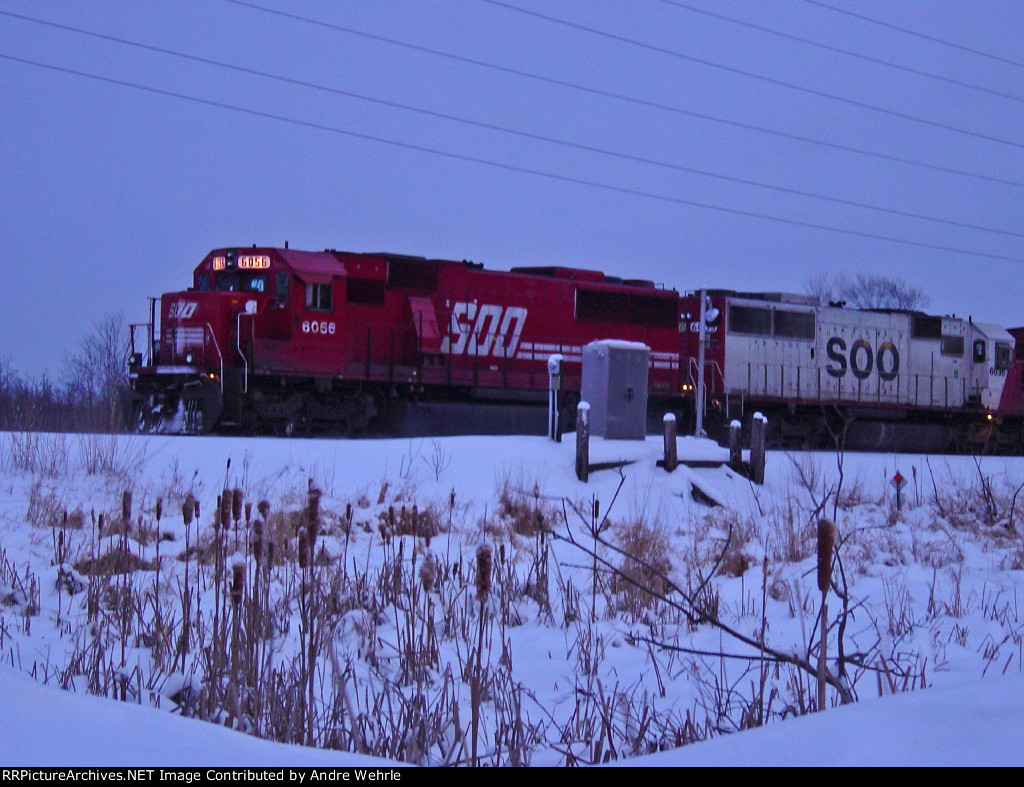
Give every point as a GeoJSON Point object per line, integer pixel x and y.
{"type": "Point", "coordinates": [159, 509]}
{"type": "Point", "coordinates": [197, 509]}
{"type": "Point", "coordinates": [483, 571]}
{"type": "Point", "coordinates": [313, 514]}
{"type": "Point", "coordinates": [826, 542]}
{"type": "Point", "coordinates": [237, 582]}
{"type": "Point", "coordinates": [236, 503]}
{"type": "Point", "coordinates": [257, 541]}
{"type": "Point", "coordinates": [99, 524]}
{"type": "Point", "coordinates": [225, 501]}
{"type": "Point", "coordinates": [248, 512]}
{"type": "Point", "coordinates": [501, 554]}
{"type": "Point", "coordinates": [187, 509]}
{"type": "Point", "coordinates": [303, 548]}
{"type": "Point", "coordinates": [264, 508]}
{"type": "Point", "coordinates": [451, 499]}
{"type": "Point", "coordinates": [428, 572]}
{"type": "Point", "coordinates": [126, 505]}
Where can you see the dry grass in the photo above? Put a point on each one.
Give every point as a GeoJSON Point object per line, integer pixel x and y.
{"type": "Point", "coordinates": [406, 650]}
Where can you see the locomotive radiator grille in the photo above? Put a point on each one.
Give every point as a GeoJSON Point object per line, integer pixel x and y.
{"type": "Point", "coordinates": [187, 339]}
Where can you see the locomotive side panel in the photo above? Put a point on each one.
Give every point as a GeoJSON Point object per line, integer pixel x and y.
{"type": "Point", "coordinates": [938, 374]}
{"type": "Point", "coordinates": [861, 357]}
{"type": "Point", "coordinates": [498, 329]}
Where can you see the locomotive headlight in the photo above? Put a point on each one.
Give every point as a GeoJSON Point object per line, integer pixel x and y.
{"type": "Point", "coordinates": [190, 358]}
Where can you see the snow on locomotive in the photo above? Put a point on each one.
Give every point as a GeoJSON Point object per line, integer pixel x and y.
{"type": "Point", "coordinates": [885, 379]}
{"type": "Point", "coordinates": [270, 339]}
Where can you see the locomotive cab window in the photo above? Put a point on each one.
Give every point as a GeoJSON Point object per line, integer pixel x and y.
{"type": "Point", "coordinates": [255, 282]}
{"type": "Point", "coordinates": [203, 282]}
{"type": "Point", "coordinates": [281, 284]}
{"type": "Point", "coordinates": [953, 346]}
{"type": "Point", "coordinates": [979, 351]}
{"type": "Point", "coordinates": [1004, 355]}
{"type": "Point", "coordinates": [318, 297]}
{"type": "Point", "coordinates": [228, 282]}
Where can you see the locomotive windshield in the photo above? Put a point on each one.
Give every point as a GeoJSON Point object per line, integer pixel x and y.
{"type": "Point", "coordinates": [242, 282]}
{"type": "Point", "coordinates": [1004, 355]}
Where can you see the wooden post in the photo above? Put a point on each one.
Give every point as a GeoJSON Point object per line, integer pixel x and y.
{"type": "Point", "coordinates": [826, 544]}
{"type": "Point", "coordinates": [735, 453]}
{"type": "Point", "coordinates": [554, 384]}
{"type": "Point", "coordinates": [671, 451]}
{"type": "Point", "coordinates": [758, 437]}
{"type": "Point", "coordinates": [583, 441]}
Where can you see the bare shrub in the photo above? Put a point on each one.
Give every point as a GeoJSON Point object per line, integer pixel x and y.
{"type": "Point", "coordinates": [38, 453]}
{"type": "Point", "coordinates": [117, 560]}
{"type": "Point", "coordinates": [642, 576]}
{"type": "Point", "coordinates": [521, 509]}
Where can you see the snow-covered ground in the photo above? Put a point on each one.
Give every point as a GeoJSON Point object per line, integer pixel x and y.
{"type": "Point", "coordinates": [568, 672]}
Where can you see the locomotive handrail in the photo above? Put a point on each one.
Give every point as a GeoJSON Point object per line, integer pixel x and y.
{"type": "Point", "coordinates": [220, 380]}
{"type": "Point", "coordinates": [149, 340]}
{"type": "Point", "coordinates": [692, 370]}
{"type": "Point", "coordinates": [913, 394]}
{"type": "Point", "coordinates": [238, 344]}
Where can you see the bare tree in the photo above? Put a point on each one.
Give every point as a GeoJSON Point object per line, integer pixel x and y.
{"type": "Point", "coordinates": [96, 372]}
{"type": "Point", "coordinates": [867, 291]}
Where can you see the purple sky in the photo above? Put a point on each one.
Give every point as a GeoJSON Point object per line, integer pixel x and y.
{"type": "Point", "coordinates": [110, 194]}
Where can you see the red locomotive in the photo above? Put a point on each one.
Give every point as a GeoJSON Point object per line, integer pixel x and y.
{"type": "Point", "coordinates": [271, 339]}
{"type": "Point", "coordinates": [295, 342]}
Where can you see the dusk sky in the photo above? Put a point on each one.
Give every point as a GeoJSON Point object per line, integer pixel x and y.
{"type": "Point", "coordinates": [724, 143]}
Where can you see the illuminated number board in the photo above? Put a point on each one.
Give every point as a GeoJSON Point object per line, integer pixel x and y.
{"type": "Point", "coordinates": [245, 262]}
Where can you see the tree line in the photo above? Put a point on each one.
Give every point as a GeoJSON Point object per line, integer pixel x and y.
{"type": "Point", "coordinates": [84, 396]}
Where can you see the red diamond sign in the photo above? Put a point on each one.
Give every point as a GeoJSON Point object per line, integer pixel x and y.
{"type": "Point", "coordinates": [898, 481]}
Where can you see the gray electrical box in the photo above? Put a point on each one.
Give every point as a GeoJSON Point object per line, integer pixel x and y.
{"type": "Point", "coordinates": [615, 385]}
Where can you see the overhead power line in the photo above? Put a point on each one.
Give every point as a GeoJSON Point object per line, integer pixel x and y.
{"type": "Point", "coordinates": [506, 166]}
{"type": "Point", "coordinates": [659, 106]}
{"type": "Point", "coordinates": [917, 34]}
{"type": "Point", "coordinates": [753, 75]}
{"type": "Point", "coordinates": [842, 51]}
{"type": "Point", "coordinates": [506, 130]}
